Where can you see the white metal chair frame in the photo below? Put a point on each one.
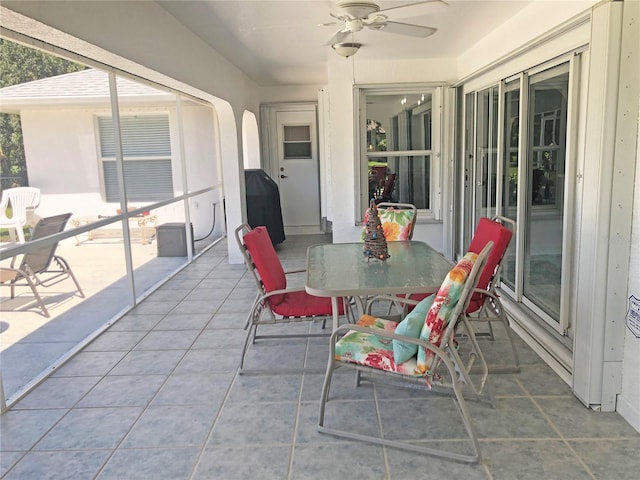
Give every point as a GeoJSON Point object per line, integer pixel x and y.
{"type": "Point", "coordinates": [260, 306]}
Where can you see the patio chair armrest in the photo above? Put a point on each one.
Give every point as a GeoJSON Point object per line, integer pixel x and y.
{"type": "Point", "coordinates": [8, 274]}
{"type": "Point", "coordinates": [279, 292]}
{"type": "Point", "coordinates": [398, 301]}
{"type": "Point", "coordinates": [14, 275]}
{"type": "Point", "coordinates": [262, 298]}
{"type": "Point", "coordinates": [439, 352]}
{"type": "Point", "coordinates": [496, 304]}
{"type": "Point", "coordinates": [486, 293]}
{"type": "Point", "coordinates": [297, 270]}
{"type": "Point", "coordinates": [402, 300]}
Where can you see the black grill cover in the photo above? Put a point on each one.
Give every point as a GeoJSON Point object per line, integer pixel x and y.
{"type": "Point", "coordinates": [263, 203]}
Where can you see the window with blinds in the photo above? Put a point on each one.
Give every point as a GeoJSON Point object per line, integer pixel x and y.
{"type": "Point", "coordinates": [146, 147]}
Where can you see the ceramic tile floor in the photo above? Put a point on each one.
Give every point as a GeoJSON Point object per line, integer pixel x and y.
{"type": "Point", "coordinates": [158, 397]}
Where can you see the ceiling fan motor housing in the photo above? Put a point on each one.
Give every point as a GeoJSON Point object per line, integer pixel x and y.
{"type": "Point", "coordinates": [353, 26]}
{"type": "Point", "coordinates": [357, 9]}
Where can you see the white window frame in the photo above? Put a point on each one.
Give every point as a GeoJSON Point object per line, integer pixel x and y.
{"type": "Point", "coordinates": [435, 153]}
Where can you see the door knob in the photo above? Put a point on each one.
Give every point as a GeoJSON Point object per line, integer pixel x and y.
{"type": "Point", "coordinates": [283, 176]}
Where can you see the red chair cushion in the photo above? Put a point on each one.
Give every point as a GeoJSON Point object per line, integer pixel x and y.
{"type": "Point", "coordinates": [267, 263]}
{"type": "Point", "coordinates": [490, 231]}
{"type": "Point", "coordinates": [301, 304]}
{"type": "Point", "coordinates": [487, 231]}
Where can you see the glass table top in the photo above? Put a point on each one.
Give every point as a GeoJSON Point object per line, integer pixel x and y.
{"type": "Point", "coordinates": [341, 269]}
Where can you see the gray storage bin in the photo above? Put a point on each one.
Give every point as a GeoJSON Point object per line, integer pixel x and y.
{"type": "Point", "coordinates": [172, 240]}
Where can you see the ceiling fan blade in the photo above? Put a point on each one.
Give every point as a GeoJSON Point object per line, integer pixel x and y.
{"type": "Point", "coordinates": [406, 29]}
{"type": "Point", "coordinates": [337, 37]}
{"type": "Point", "coordinates": [415, 9]}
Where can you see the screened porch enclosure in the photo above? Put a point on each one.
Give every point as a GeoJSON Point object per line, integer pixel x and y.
{"type": "Point", "coordinates": [133, 164]}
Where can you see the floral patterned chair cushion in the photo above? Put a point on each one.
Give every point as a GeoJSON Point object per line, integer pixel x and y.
{"type": "Point", "coordinates": [397, 224]}
{"type": "Point", "coordinates": [368, 349]}
{"type": "Point", "coordinates": [372, 351]}
{"type": "Point", "coordinates": [439, 313]}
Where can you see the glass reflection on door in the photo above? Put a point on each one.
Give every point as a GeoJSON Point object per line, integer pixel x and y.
{"type": "Point", "coordinates": [547, 121]}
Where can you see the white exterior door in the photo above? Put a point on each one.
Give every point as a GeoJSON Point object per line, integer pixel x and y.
{"type": "Point", "coordinates": [298, 171]}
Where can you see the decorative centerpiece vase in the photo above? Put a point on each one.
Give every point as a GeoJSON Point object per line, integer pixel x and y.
{"type": "Point", "coordinates": [375, 245]}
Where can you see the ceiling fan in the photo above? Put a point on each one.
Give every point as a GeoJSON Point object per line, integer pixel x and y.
{"type": "Point", "coordinates": [355, 15]}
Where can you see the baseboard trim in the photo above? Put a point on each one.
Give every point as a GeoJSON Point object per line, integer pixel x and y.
{"type": "Point", "coordinates": [305, 230]}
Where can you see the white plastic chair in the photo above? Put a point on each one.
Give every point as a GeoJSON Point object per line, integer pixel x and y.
{"type": "Point", "coordinates": [20, 199]}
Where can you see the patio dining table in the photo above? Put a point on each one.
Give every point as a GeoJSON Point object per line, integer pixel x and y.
{"type": "Point", "coordinates": [339, 270]}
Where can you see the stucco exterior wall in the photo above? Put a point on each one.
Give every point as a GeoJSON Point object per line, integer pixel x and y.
{"type": "Point", "coordinates": [202, 158]}
{"type": "Point", "coordinates": [62, 151]}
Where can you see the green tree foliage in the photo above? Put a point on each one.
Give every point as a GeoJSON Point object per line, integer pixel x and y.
{"type": "Point", "coordinates": [20, 64]}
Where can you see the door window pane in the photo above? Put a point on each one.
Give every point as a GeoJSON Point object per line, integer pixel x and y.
{"type": "Point", "coordinates": [545, 213]}
{"type": "Point", "coordinates": [297, 133]}
{"type": "Point", "coordinates": [297, 141]}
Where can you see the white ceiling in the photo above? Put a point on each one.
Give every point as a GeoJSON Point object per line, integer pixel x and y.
{"type": "Point", "coordinates": [281, 42]}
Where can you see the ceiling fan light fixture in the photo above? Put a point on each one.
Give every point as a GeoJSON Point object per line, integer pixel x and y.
{"type": "Point", "coordinates": [346, 49]}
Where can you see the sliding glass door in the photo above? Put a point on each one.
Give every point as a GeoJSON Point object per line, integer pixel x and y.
{"type": "Point", "coordinates": [510, 167]}
{"type": "Point", "coordinates": [486, 158]}
{"type": "Point", "coordinates": [544, 213]}
{"type": "Point", "coordinates": [516, 144]}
